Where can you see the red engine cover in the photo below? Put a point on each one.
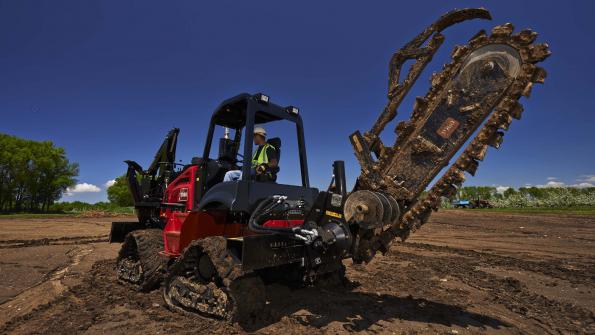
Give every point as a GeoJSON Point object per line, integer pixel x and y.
{"type": "Point", "coordinates": [283, 223]}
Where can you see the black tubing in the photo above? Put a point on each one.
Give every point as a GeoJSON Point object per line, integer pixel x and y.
{"type": "Point", "coordinates": [255, 223]}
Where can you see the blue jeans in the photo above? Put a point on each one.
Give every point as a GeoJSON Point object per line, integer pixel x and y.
{"type": "Point", "coordinates": [232, 175]}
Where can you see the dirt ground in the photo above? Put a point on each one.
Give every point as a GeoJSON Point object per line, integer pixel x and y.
{"type": "Point", "coordinates": [464, 272]}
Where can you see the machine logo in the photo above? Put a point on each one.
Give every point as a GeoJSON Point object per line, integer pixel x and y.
{"type": "Point", "coordinates": [183, 196]}
{"type": "Point", "coordinates": [448, 127]}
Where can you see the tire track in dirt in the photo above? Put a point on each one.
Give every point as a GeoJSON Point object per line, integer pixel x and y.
{"type": "Point", "coordinates": [554, 268]}
{"type": "Point", "coordinates": [99, 304]}
{"type": "Point", "coordinates": [43, 292]}
{"type": "Point", "coordinates": [102, 305]}
{"type": "Point", "coordinates": [74, 240]}
{"type": "Point", "coordinates": [509, 292]}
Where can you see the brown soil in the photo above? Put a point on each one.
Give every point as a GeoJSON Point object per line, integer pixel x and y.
{"type": "Point", "coordinates": [464, 272]}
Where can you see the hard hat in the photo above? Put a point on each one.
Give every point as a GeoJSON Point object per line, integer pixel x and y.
{"type": "Point", "coordinates": [260, 131]}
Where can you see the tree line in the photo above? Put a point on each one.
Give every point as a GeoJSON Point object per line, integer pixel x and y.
{"type": "Point", "coordinates": [33, 175]}
{"type": "Point", "coordinates": [529, 196]}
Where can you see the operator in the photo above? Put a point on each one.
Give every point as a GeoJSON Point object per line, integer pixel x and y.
{"type": "Point", "coordinates": [264, 158]}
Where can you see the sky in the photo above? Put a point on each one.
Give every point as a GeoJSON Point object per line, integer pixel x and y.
{"type": "Point", "coordinates": [106, 80]}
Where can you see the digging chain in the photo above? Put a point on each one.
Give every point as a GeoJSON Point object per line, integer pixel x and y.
{"type": "Point", "coordinates": [417, 210]}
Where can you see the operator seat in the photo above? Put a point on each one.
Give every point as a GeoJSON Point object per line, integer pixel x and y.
{"type": "Point", "coordinates": [215, 170]}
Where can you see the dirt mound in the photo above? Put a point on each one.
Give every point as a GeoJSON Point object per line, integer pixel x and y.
{"type": "Point", "coordinates": [100, 214]}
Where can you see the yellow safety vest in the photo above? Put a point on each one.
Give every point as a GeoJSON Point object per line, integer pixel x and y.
{"type": "Point", "coordinates": [262, 155]}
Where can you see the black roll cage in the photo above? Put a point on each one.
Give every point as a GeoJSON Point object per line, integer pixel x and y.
{"type": "Point", "coordinates": [245, 110]}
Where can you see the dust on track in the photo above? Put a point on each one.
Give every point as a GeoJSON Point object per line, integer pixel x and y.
{"type": "Point", "coordinates": [429, 285]}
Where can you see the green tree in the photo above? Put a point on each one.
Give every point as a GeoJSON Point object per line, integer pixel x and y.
{"type": "Point", "coordinates": [119, 194]}
{"type": "Point", "coordinates": [477, 192]}
{"type": "Point", "coordinates": [33, 175]}
{"type": "Point", "coordinates": [509, 192]}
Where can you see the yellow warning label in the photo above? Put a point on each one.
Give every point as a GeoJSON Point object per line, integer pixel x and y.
{"type": "Point", "coordinates": [333, 214]}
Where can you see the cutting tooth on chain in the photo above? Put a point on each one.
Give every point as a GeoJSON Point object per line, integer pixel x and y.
{"type": "Point", "coordinates": [479, 34]}
{"type": "Point", "coordinates": [525, 37]}
{"type": "Point", "coordinates": [539, 75]}
{"type": "Point", "coordinates": [516, 110]}
{"type": "Point", "coordinates": [503, 119]}
{"type": "Point", "coordinates": [503, 31]}
{"type": "Point", "coordinates": [538, 52]}
{"type": "Point", "coordinates": [468, 164]}
{"type": "Point", "coordinates": [436, 79]}
{"type": "Point", "coordinates": [527, 89]}
{"type": "Point", "coordinates": [478, 38]}
{"type": "Point", "coordinates": [457, 176]}
{"type": "Point", "coordinates": [477, 151]}
{"type": "Point", "coordinates": [458, 52]}
{"type": "Point", "coordinates": [496, 140]}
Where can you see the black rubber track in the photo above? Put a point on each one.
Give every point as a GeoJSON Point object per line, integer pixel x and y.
{"type": "Point", "coordinates": [246, 291]}
{"type": "Point", "coordinates": [143, 246]}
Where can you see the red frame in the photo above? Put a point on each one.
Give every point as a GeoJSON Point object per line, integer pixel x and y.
{"type": "Point", "coordinates": [184, 226]}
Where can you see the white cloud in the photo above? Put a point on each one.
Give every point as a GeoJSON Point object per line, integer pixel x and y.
{"type": "Point", "coordinates": [552, 183]}
{"type": "Point", "coordinates": [110, 183]}
{"type": "Point", "coordinates": [582, 185]}
{"type": "Point", "coordinates": [587, 178]}
{"type": "Point", "coordinates": [502, 189]}
{"type": "Point", "coordinates": [82, 188]}
{"type": "Point", "coordinates": [551, 178]}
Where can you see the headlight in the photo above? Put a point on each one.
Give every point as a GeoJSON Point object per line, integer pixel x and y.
{"type": "Point", "coordinates": [262, 98]}
{"type": "Point", "coordinates": [292, 110]}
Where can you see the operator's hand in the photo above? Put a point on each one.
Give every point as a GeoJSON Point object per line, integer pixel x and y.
{"type": "Point", "coordinates": [262, 168]}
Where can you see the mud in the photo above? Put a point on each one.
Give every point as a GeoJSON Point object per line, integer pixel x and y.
{"type": "Point", "coordinates": [465, 272]}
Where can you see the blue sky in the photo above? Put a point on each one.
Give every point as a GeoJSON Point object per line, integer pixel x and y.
{"type": "Point", "coordinates": [107, 79]}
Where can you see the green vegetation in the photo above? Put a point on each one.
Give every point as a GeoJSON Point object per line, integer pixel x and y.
{"type": "Point", "coordinates": [65, 209]}
{"type": "Point", "coordinates": [119, 194]}
{"type": "Point", "coordinates": [541, 210]}
{"type": "Point", "coordinates": [80, 207]}
{"type": "Point", "coordinates": [533, 199]}
{"type": "Point", "coordinates": [33, 175]}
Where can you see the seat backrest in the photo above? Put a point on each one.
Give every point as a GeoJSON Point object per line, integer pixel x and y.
{"type": "Point", "coordinates": [276, 143]}
{"type": "Point", "coordinates": [272, 177]}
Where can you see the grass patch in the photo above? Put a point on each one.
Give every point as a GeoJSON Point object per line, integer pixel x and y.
{"type": "Point", "coordinates": [88, 212]}
{"type": "Point", "coordinates": [587, 210]}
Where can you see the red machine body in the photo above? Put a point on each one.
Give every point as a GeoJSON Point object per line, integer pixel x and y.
{"type": "Point", "coordinates": [183, 226]}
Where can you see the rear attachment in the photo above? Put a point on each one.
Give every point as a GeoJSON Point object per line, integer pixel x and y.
{"type": "Point", "coordinates": [119, 230]}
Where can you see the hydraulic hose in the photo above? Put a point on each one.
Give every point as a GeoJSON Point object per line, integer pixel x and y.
{"type": "Point", "coordinates": [260, 213]}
